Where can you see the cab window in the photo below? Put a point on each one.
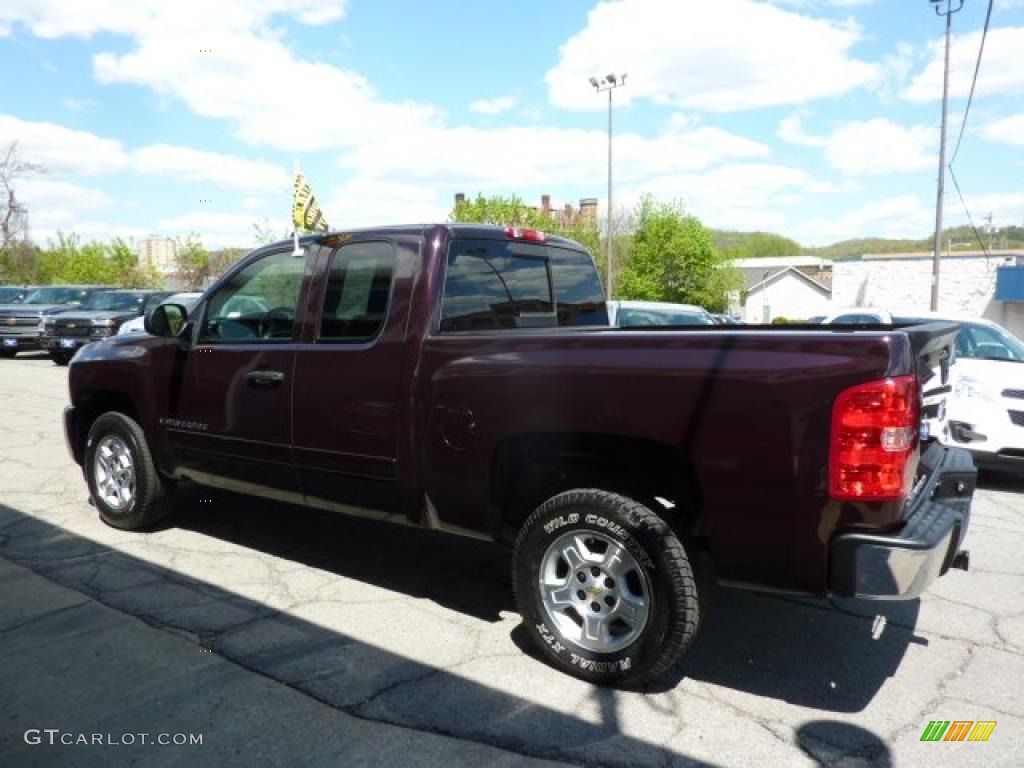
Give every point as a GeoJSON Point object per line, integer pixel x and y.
{"type": "Point", "coordinates": [257, 303]}
{"type": "Point", "coordinates": [491, 285]}
{"type": "Point", "coordinates": [358, 291]}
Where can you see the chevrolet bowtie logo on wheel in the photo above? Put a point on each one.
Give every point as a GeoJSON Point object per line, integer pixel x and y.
{"type": "Point", "coordinates": [958, 730]}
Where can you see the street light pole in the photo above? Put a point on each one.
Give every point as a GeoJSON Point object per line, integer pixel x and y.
{"type": "Point", "coordinates": [609, 83]}
{"type": "Point", "coordinates": [937, 255]}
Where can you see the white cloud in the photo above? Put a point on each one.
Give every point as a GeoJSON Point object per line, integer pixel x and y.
{"type": "Point", "coordinates": [253, 203]}
{"type": "Point", "coordinates": [880, 146]}
{"type": "Point", "coordinates": [1009, 130]}
{"type": "Point", "coordinates": [63, 150]}
{"type": "Point", "coordinates": [824, 3]}
{"type": "Point", "coordinates": [55, 205]}
{"type": "Point", "coordinates": [494, 106]}
{"type": "Point", "coordinates": [868, 147]}
{"type": "Point", "coordinates": [80, 105]}
{"type": "Point", "coordinates": [791, 130]}
{"type": "Point", "coordinates": [366, 202]}
{"type": "Point", "coordinates": [250, 77]}
{"type": "Point", "coordinates": [217, 230]}
{"type": "Point", "coordinates": [740, 195]}
{"type": "Point", "coordinates": [724, 56]}
{"type": "Point", "coordinates": [195, 165]}
{"type": "Point", "coordinates": [1001, 70]}
{"type": "Point", "coordinates": [900, 216]}
{"type": "Point", "coordinates": [512, 157]}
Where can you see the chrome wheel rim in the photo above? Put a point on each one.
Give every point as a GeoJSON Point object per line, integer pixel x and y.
{"type": "Point", "coordinates": [114, 473]}
{"type": "Point", "coordinates": [594, 591]}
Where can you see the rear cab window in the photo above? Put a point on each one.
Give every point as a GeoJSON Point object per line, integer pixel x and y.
{"type": "Point", "coordinates": [504, 285]}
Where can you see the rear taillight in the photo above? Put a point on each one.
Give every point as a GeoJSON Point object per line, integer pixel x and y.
{"type": "Point", "coordinates": [875, 429]}
{"type": "Point", "coordinates": [534, 235]}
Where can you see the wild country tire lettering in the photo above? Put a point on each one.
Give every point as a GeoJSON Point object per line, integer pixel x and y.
{"type": "Point", "coordinates": [623, 664]}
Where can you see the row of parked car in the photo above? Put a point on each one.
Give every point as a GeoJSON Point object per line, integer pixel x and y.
{"type": "Point", "coordinates": [983, 407]}
{"type": "Point", "coordinates": [62, 318]}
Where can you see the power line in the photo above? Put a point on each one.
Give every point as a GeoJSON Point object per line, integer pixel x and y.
{"type": "Point", "coordinates": [970, 221]}
{"type": "Point", "coordinates": [974, 82]}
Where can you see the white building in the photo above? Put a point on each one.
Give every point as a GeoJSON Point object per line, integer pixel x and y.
{"type": "Point", "coordinates": [794, 287]}
{"type": "Point", "coordinates": [901, 282]}
{"type": "Point", "coordinates": [160, 253]}
{"type": "Point", "coordinates": [788, 293]}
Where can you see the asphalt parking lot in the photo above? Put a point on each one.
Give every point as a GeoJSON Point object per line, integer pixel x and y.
{"type": "Point", "coordinates": [392, 627]}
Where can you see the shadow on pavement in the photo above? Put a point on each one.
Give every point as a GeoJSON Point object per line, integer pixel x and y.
{"type": "Point", "coordinates": [819, 739]}
{"type": "Point", "coordinates": [996, 480]}
{"type": "Point", "coordinates": [798, 650]}
{"type": "Point", "coordinates": [334, 667]}
{"type": "Point", "coordinates": [786, 649]}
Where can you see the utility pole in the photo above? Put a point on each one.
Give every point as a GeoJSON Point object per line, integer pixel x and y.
{"type": "Point", "coordinates": [991, 231]}
{"type": "Point", "coordinates": [937, 256]}
{"type": "Point", "coordinates": [609, 83]}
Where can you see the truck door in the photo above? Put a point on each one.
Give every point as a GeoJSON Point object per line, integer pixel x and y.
{"type": "Point", "coordinates": [228, 419]}
{"type": "Point", "coordinates": [351, 378]}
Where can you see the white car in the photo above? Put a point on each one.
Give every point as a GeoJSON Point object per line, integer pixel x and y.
{"type": "Point", "coordinates": [631, 314]}
{"type": "Point", "coordinates": [985, 407]}
{"type": "Point", "coordinates": [138, 324]}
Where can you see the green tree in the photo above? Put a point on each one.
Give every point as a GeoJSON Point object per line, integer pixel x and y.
{"type": "Point", "coordinates": [674, 259]}
{"type": "Point", "coordinates": [193, 262]}
{"type": "Point", "coordinates": [511, 211]}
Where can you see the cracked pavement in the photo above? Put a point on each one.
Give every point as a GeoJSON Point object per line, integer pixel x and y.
{"type": "Point", "coordinates": [418, 630]}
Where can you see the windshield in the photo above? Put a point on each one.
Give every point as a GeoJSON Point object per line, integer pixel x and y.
{"type": "Point", "coordinates": [58, 294]}
{"type": "Point", "coordinates": [630, 317]}
{"type": "Point", "coordinates": [9, 295]}
{"type": "Point", "coordinates": [109, 300]}
{"type": "Point", "coordinates": [983, 342]}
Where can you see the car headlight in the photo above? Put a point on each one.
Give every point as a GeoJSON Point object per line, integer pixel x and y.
{"type": "Point", "coordinates": [969, 387]}
{"type": "Point", "coordinates": [103, 322]}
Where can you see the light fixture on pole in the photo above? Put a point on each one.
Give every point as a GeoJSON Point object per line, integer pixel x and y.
{"type": "Point", "coordinates": [937, 254]}
{"type": "Point", "coordinates": [609, 83]}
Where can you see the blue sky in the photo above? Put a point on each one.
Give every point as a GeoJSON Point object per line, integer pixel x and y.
{"type": "Point", "coordinates": [817, 119]}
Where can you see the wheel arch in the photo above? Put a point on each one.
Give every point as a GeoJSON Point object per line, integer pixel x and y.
{"type": "Point", "coordinates": [89, 407]}
{"type": "Point", "coordinates": [529, 468]}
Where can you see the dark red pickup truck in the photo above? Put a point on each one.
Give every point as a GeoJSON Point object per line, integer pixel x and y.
{"type": "Point", "coordinates": [464, 378]}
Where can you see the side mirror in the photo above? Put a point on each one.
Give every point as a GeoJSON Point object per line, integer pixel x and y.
{"type": "Point", "coordinates": [166, 320]}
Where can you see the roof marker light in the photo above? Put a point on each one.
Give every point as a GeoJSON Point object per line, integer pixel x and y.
{"type": "Point", "coordinates": [534, 235]}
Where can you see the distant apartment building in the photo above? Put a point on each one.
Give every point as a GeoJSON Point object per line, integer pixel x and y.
{"type": "Point", "coordinates": [566, 215]}
{"type": "Point", "coordinates": [159, 253]}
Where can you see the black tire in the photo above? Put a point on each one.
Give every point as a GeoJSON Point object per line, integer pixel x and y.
{"type": "Point", "coordinates": [5, 353]}
{"type": "Point", "coordinates": [675, 604]}
{"type": "Point", "coordinates": [61, 358]}
{"type": "Point", "coordinates": [153, 497]}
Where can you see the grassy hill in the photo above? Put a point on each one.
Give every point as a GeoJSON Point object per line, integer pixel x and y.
{"type": "Point", "coordinates": [743, 245]}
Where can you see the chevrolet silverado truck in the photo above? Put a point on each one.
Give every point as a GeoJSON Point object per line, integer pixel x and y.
{"type": "Point", "coordinates": [98, 318]}
{"type": "Point", "coordinates": [464, 378]}
{"type": "Point", "coordinates": [21, 323]}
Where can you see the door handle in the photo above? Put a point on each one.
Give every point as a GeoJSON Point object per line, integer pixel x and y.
{"type": "Point", "coordinates": [264, 378]}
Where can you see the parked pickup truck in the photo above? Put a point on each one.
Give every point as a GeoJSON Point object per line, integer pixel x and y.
{"type": "Point", "coordinates": [464, 378]}
{"type": "Point", "coordinates": [21, 323]}
{"type": "Point", "coordinates": [98, 318]}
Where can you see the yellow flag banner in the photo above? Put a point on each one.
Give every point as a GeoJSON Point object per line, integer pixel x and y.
{"type": "Point", "coordinates": [306, 213]}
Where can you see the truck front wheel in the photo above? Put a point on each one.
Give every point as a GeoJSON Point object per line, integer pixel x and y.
{"type": "Point", "coordinates": [127, 489]}
{"type": "Point", "coordinates": [605, 588]}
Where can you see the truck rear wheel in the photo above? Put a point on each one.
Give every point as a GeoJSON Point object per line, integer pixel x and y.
{"type": "Point", "coordinates": [128, 491]}
{"type": "Point", "coordinates": [605, 588]}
